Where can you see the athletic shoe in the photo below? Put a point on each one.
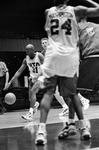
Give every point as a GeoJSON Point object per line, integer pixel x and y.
{"type": "Point", "coordinates": [84, 103]}
{"type": "Point", "coordinates": [69, 129]}
{"type": "Point", "coordinates": [28, 116]}
{"type": "Point", "coordinates": [35, 107]}
{"type": "Point", "coordinates": [85, 134]}
{"type": "Point", "coordinates": [3, 111]}
{"type": "Point", "coordinates": [64, 112]}
{"type": "Point", "coordinates": [72, 129]}
{"type": "Point", "coordinates": [41, 138]}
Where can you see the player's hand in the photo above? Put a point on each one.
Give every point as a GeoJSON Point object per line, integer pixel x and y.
{"type": "Point", "coordinates": [30, 78]}
{"type": "Point", "coordinates": [7, 86]}
{"type": "Point", "coordinates": [33, 80]}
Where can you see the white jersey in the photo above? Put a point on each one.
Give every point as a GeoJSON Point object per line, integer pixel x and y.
{"type": "Point", "coordinates": [62, 56]}
{"type": "Point", "coordinates": [34, 65]}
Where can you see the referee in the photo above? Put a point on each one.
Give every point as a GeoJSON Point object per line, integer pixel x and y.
{"type": "Point", "coordinates": [4, 77]}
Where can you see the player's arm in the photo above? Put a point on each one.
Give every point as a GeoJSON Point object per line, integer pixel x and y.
{"type": "Point", "coordinates": [19, 71]}
{"type": "Point", "coordinates": [41, 57]}
{"type": "Point", "coordinates": [6, 80]}
{"type": "Point", "coordinates": [91, 3]}
{"type": "Point", "coordinates": [46, 12]}
{"type": "Point", "coordinates": [81, 11]}
{"type": "Point", "coordinates": [6, 77]}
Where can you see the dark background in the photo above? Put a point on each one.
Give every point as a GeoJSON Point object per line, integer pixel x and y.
{"type": "Point", "coordinates": [25, 18]}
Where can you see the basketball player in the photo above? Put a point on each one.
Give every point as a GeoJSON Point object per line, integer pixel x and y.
{"type": "Point", "coordinates": [44, 43]}
{"type": "Point", "coordinates": [84, 101]}
{"type": "Point", "coordinates": [33, 61]}
{"type": "Point", "coordinates": [89, 66]}
{"type": "Point", "coordinates": [61, 62]}
{"type": "Point", "coordinates": [4, 77]}
{"type": "Point", "coordinates": [89, 47]}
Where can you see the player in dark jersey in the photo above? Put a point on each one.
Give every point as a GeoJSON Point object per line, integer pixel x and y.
{"type": "Point", "coordinates": [89, 50]}
{"type": "Point", "coordinates": [89, 66]}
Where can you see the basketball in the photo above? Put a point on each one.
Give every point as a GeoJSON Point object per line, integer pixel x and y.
{"type": "Point", "coordinates": [10, 98]}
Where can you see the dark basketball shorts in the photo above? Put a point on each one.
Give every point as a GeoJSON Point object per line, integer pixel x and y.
{"type": "Point", "coordinates": [88, 73]}
{"type": "Point", "coordinates": [67, 86]}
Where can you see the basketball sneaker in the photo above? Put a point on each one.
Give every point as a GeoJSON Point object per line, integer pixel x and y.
{"type": "Point", "coordinates": [64, 112]}
{"type": "Point", "coordinates": [35, 107]}
{"type": "Point", "coordinates": [41, 138]}
{"type": "Point", "coordinates": [69, 130]}
{"type": "Point", "coordinates": [29, 115]}
{"type": "Point", "coordinates": [2, 111]}
{"type": "Point", "coordinates": [85, 134]}
{"type": "Point", "coordinates": [84, 103]}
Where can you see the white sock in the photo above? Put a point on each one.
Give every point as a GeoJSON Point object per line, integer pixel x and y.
{"type": "Point", "coordinates": [31, 110]}
{"type": "Point", "coordinates": [71, 121]}
{"type": "Point", "coordinates": [42, 127]}
{"type": "Point", "coordinates": [82, 124]}
{"type": "Point", "coordinates": [80, 96]}
{"type": "Point", "coordinates": [65, 106]}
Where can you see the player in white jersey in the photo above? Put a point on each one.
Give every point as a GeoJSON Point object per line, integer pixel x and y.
{"type": "Point", "coordinates": [62, 48]}
{"type": "Point", "coordinates": [84, 101]}
{"type": "Point", "coordinates": [44, 43]}
{"type": "Point", "coordinates": [33, 61]}
{"type": "Point", "coordinates": [61, 62]}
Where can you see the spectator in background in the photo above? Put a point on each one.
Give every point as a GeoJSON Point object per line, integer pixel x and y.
{"type": "Point", "coordinates": [4, 77]}
{"type": "Point", "coordinates": [44, 43]}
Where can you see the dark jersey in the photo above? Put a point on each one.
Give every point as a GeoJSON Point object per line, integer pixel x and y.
{"type": "Point", "coordinates": [89, 39]}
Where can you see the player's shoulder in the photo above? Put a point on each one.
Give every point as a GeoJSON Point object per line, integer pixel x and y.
{"type": "Point", "coordinates": [50, 10]}
{"type": "Point", "coordinates": [3, 63]}
{"type": "Point", "coordinates": [41, 57]}
{"type": "Point", "coordinates": [39, 54]}
{"type": "Point", "coordinates": [24, 61]}
{"type": "Point", "coordinates": [80, 11]}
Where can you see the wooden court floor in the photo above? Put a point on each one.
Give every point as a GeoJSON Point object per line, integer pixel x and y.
{"type": "Point", "coordinates": [18, 134]}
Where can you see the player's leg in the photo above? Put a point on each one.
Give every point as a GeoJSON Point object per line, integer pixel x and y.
{"type": "Point", "coordinates": [85, 134]}
{"type": "Point", "coordinates": [84, 102]}
{"type": "Point", "coordinates": [41, 136]}
{"type": "Point", "coordinates": [33, 103]}
{"type": "Point", "coordinates": [88, 77]}
{"type": "Point", "coordinates": [62, 102]}
{"type": "Point", "coordinates": [69, 87]}
{"type": "Point", "coordinates": [70, 128]}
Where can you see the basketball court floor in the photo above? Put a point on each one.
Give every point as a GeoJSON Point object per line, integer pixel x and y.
{"type": "Point", "coordinates": [18, 134]}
